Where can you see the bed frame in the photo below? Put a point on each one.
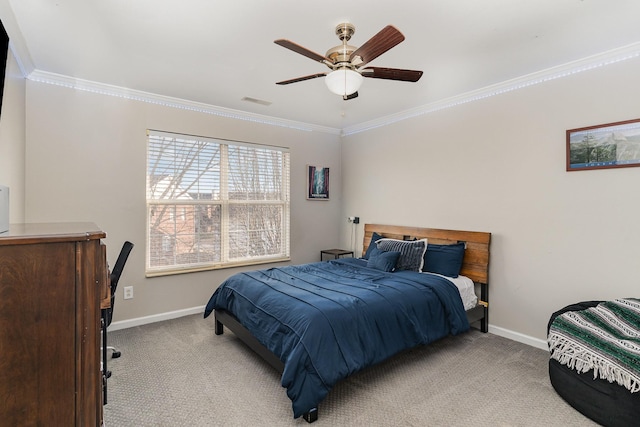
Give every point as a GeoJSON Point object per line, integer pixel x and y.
{"type": "Point", "coordinates": [475, 265]}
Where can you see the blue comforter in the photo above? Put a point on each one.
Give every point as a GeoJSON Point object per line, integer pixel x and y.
{"type": "Point", "coordinates": [328, 320]}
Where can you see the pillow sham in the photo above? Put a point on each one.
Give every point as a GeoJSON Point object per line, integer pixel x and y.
{"type": "Point", "coordinates": [444, 259]}
{"type": "Point", "coordinates": [385, 261]}
{"type": "Point", "coordinates": [411, 252]}
{"type": "Point", "coordinates": [374, 238]}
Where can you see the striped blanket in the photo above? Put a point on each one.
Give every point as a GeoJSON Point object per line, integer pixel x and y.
{"type": "Point", "coordinates": [605, 339]}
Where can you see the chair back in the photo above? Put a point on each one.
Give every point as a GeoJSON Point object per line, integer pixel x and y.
{"type": "Point", "coordinates": [119, 265]}
{"type": "Point", "coordinates": [115, 276]}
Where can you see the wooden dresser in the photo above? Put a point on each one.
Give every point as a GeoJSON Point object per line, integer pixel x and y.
{"type": "Point", "coordinates": [52, 277]}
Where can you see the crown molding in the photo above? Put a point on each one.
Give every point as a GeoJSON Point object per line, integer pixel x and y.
{"type": "Point", "coordinates": [167, 101]}
{"type": "Point", "coordinates": [593, 62]}
{"type": "Point", "coordinates": [589, 63]}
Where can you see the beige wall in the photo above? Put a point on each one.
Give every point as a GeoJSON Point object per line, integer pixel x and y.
{"type": "Point", "coordinates": [494, 165]}
{"type": "Point", "coordinates": [86, 159]}
{"type": "Point", "coordinates": [12, 138]}
{"type": "Point", "coordinates": [498, 165]}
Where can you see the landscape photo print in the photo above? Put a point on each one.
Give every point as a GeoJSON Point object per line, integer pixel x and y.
{"type": "Point", "coordinates": [612, 145]}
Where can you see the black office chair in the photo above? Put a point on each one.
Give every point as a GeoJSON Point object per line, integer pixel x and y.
{"type": "Point", "coordinates": [107, 313]}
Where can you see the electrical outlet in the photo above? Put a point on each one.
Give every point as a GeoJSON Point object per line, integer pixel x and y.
{"type": "Point", "coordinates": [128, 292]}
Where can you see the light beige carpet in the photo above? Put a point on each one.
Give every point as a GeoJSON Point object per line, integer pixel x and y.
{"type": "Point", "coordinates": [178, 373]}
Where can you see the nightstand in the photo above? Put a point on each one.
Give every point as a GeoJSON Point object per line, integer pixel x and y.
{"type": "Point", "coordinates": [337, 253]}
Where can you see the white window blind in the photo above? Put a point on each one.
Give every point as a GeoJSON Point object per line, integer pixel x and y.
{"type": "Point", "coordinates": [214, 203]}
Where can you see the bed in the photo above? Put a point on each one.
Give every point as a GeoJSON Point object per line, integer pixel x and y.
{"type": "Point", "coordinates": [318, 323]}
{"type": "Point", "coordinates": [610, 396]}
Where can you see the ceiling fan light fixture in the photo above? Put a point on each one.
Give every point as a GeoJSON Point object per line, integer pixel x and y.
{"type": "Point", "coordinates": [343, 81]}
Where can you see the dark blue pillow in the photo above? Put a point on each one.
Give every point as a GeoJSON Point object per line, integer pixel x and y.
{"type": "Point", "coordinates": [374, 238]}
{"type": "Point", "coordinates": [444, 259]}
{"type": "Point", "coordinates": [385, 261]}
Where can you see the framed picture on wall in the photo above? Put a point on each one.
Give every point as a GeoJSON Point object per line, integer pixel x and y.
{"type": "Point", "coordinates": [317, 183]}
{"type": "Point", "coordinates": [612, 145]}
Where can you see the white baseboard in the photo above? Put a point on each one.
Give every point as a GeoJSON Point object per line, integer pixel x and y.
{"type": "Point", "coordinates": [130, 323]}
{"type": "Point", "coordinates": [517, 336]}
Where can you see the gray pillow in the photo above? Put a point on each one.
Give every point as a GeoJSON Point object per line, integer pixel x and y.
{"type": "Point", "coordinates": [411, 252]}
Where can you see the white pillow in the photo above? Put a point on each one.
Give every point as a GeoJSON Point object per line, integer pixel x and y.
{"type": "Point", "coordinates": [411, 252]}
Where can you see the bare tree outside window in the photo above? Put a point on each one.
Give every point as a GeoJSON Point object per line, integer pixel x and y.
{"type": "Point", "coordinates": [214, 203]}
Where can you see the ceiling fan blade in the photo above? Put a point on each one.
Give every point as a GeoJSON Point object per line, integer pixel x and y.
{"type": "Point", "coordinates": [387, 38]}
{"type": "Point", "coordinates": [302, 50]}
{"type": "Point", "coordinates": [348, 97]}
{"type": "Point", "coordinates": [301, 79]}
{"type": "Point", "coordinates": [392, 74]}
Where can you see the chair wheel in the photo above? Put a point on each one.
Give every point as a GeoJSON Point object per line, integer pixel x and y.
{"type": "Point", "coordinates": [108, 374]}
{"type": "Point", "coordinates": [115, 354]}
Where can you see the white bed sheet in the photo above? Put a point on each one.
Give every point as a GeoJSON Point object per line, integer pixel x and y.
{"type": "Point", "coordinates": [466, 287]}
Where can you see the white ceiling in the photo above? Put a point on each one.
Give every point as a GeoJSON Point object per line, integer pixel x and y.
{"type": "Point", "coordinates": [217, 52]}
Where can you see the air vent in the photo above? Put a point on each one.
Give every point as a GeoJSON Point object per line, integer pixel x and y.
{"type": "Point", "coordinates": [256, 101]}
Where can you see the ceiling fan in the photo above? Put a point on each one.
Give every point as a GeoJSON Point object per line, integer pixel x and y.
{"type": "Point", "coordinates": [348, 63]}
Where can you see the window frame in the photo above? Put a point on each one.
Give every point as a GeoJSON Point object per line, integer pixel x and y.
{"type": "Point", "coordinates": [282, 202]}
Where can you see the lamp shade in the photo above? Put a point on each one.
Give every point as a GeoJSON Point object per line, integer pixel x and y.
{"type": "Point", "coordinates": [343, 81]}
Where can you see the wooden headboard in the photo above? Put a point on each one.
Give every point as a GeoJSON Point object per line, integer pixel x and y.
{"type": "Point", "coordinates": [475, 264]}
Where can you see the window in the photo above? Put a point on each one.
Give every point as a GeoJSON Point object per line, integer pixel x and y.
{"type": "Point", "coordinates": [213, 203]}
